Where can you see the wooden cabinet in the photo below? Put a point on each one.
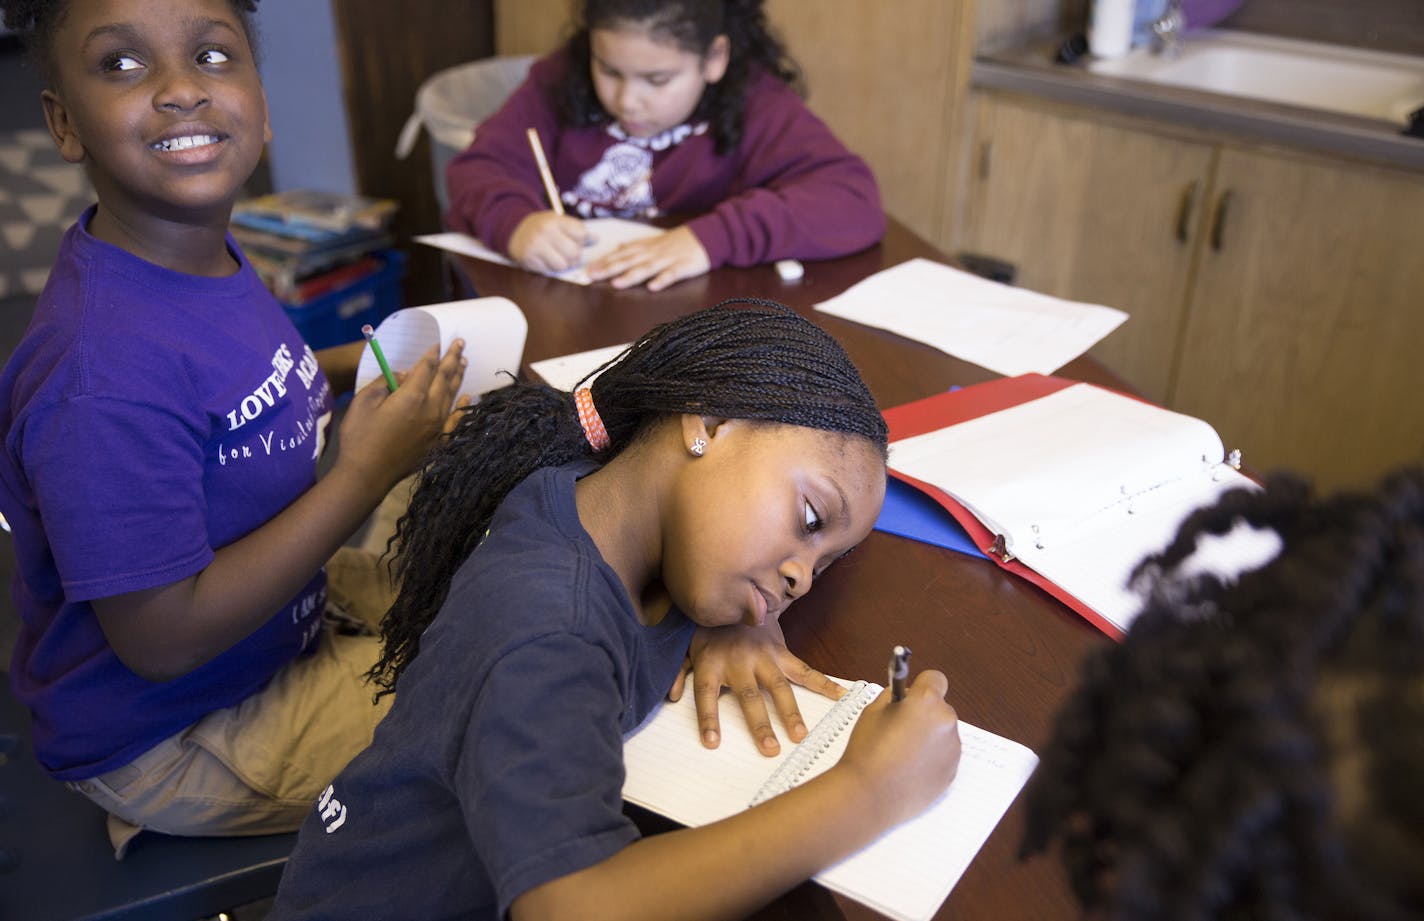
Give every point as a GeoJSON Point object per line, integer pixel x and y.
{"type": "Point", "coordinates": [1304, 341]}
{"type": "Point", "coordinates": [1092, 212]}
{"type": "Point", "coordinates": [1278, 295]}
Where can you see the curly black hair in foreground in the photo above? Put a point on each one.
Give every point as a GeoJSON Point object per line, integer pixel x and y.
{"type": "Point", "coordinates": [45, 16]}
{"type": "Point", "coordinates": [691, 25]}
{"type": "Point", "coordinates": [743, 359]}
{"type": "Point", "coordinates": [1254, 749]}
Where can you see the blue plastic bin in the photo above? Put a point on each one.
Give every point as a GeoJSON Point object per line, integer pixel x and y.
{"type": "Point", "coordinates": [337, 317]}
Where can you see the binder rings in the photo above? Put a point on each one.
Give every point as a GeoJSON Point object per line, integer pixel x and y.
{"type": "Point", "coordinates": [1064, 484]}
{"type": "Point", "coordinates": [907, 872]}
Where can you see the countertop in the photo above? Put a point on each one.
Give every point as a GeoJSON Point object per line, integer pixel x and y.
{"type": "Point", "coordinates": [1030, 70]}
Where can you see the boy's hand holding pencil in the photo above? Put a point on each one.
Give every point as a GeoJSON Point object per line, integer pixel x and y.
{"type": "Point", "coordinates": [370, 335]}
{"type": "Point", "coordinates": [393, 422]}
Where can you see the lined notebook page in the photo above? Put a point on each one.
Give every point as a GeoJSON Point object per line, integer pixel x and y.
{"type": "Point", "coordinates": [669, 772]}
{"type": "Point", "coordinates": [906, 874]}
{"type": "Point", "coordinates": [493, 328]}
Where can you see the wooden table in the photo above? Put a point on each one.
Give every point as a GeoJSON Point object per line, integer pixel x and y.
{"type": "Point", "coordinates": [1011, 652]}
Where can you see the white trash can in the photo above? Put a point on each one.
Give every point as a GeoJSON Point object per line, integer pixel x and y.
{"type": "Point", "coordinates": [452, 102]}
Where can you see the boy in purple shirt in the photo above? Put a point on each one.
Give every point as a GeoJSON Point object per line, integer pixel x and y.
{"type": "Point", "coordinates": [162, 419]}
{"type": "Point", "coordinates": [686, 111]}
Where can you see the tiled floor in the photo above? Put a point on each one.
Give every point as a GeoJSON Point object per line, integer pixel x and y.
{"type": "Point", "coordinates": [40, 194]}
{"type": "Point", "coordinates": [40, 197]}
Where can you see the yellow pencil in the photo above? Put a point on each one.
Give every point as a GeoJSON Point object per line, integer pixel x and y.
{"type": "Point", "coordinates": [549, 188]}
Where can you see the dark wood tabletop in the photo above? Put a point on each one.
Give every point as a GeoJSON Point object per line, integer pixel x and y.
{"type": "Point", "coordinates": [1010, 651]}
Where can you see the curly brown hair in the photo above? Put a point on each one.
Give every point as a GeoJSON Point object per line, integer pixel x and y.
{"type": "Point", "coordinates": [1254, 746]}
{"type": "Point", "coordinates": [692, 25]}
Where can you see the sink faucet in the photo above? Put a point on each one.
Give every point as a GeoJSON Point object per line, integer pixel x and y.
{"type": "Point", "coordinates": [1167, 31]}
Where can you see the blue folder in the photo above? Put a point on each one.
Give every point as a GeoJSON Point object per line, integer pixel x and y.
{"type": "Point", "coordinates": [910, 513]}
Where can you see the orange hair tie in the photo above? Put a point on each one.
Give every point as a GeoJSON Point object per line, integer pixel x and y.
{"type": "Point", "coordinates": [589, 421]}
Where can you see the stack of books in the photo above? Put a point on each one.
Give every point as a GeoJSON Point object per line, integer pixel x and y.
{"type": "Point", "coordinates": [306, 244]}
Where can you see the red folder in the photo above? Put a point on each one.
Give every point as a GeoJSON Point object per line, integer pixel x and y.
{"type": "Point", "coordinates": [946, 409]}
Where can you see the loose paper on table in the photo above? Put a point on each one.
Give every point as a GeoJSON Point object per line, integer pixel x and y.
{"type": "Point", "coordinates": [566, 371]}
{"type": "Point", "coordinates": [1005, 329]}
{"type": "Point", "coordinates": [608, 234]}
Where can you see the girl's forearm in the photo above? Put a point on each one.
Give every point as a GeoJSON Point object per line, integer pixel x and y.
{"type": "Point", "coordinates": [723, 870]}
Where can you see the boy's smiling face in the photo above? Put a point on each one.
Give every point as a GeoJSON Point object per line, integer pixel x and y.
{"type": "Point", "coordinates": [161, 101]}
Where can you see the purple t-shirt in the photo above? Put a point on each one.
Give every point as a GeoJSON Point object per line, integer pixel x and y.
{"type": "Point", "coordinates": [790, 190]}
{"type": "Point", "coordinates": [149, 418]}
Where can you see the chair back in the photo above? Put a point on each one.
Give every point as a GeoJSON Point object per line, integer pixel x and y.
{"type": "Point", "coordinates": [56, 862]}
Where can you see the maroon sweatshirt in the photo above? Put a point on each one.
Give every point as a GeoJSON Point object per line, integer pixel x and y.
{"type": "Point", "coordinates": [790, 190]}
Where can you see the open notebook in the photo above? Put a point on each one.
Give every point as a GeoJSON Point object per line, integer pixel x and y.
{"type": "Point", "coordinates": [493, 328]}
{"type": "Point", "coordinates": [905, 874]}
{"type": "Point", "coordinates": [608, 234]}
{"type": "Point", "coordinates": [1080, 482]}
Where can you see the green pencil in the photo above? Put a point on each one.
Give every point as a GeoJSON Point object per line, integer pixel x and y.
{"type": "Point", "coordinates": [370, 335]}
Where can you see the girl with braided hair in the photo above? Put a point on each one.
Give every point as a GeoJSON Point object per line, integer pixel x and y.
{"type": "Point", "coordinates": [665, 107]}
{"type": "Point", "coordinates": [179, 646]}
{"type": "Point", "coordinates": [571, 544]}
{"type": "Point", "coordinates": [1253, 749]}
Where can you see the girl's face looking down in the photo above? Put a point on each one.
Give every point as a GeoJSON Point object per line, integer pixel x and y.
{"type": "Point", "coordinates": [161, 101]}
{"type": "Point", "coordinates": [650, 85]}
{"type": "Point", "coordinates": [754, 521]}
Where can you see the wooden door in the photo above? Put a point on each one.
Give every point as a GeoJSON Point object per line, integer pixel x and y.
{"type": "Point", "coordinates": [1093, 211]}
{"type": "Point", "coordinates": [1304, 336]}
{"type": "Point", "coordinates": [387, 51]}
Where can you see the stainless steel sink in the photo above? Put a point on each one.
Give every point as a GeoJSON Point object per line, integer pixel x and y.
{"type": "Point", "coordinates": [1299, 73]}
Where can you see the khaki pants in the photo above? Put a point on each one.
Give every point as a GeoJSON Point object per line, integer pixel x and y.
{"type": "Point", "coordinates": [255, 768]}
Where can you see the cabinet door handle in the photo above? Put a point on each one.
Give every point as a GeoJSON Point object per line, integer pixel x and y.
{"type": "Point", "coordinates": [1218, 223]}
{"type": "Point", "coordinates": [1184, 211]}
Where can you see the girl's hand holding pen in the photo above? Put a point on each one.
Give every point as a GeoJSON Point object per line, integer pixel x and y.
{"type": "Point", "coordinates": [384, 435]}
{"type": "Point", "coordinates": [547, 241]}
{"type": "Point", "coordinates": [907, 749]}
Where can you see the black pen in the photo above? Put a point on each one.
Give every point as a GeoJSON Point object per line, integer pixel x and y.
{"type": "Point", "coordinates": [899, 671]}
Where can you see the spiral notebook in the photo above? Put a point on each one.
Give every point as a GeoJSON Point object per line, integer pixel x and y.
{"type": "Point", "coordinates": [907, 872]}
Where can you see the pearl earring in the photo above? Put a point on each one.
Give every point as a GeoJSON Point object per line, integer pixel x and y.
{"type": "Point", "coordinates": [697, 447]}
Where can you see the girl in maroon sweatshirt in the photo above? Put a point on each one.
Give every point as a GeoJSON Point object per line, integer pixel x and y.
{"type": "Point", "coordinates": [665, 107]}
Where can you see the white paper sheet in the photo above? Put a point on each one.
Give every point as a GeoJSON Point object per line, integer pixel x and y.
{"type": "Point", "coordinates": [1083, 483]}
{"type": "Point", "coordinates": [493, 328]}
{"type": "Point", "coordinates": [608, 234]}
{"type": "Point", "coordinates": [566, 371]}
{"type": "Point", "coordinates": [1005, 329]}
